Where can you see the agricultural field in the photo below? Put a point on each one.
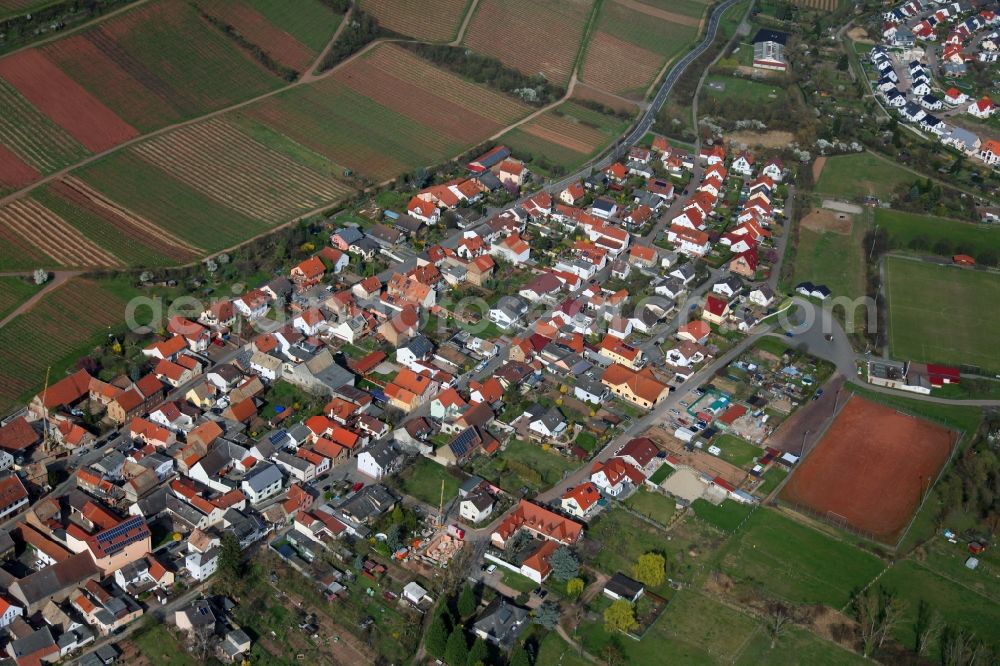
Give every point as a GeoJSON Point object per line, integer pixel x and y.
{"type": "Point", "coordinates": [13, 292]}
{"type": "Point", "coordinates": [132, 239]}
{"type": "Point", "coordinates": [633, 40]}
{"type": "Point", "coordinates": [291, 33]}
{"type": "Point", "coordinates": [153, 66]}
{"type": "Point", "coordinates": [568, 135]}
{"type": "Point", "coordinates": [30, 143]}
{"type": "Point", "coordinates": [936, 313]}
{"type": "Point", "coordinates": [54, 333]}
{"type": "Point", "coordinates": [149, 192]}
{"type": "Point", "coordinates": [429, 21]}
{"type": "Point", "coordinates": [217, 159]}
{"type": "Point", "coordinates": [387, 112]}
{"type": "Point", "coordinates": [533, 36]}
{"type": "Point", "coordinates": [31, 225]}
{"type": "Point", "coordinates": [64, 101]}
{"type": "Point", "coordinates": [839, 177]}
{"type": "Point", "coordinates": [938, 235]}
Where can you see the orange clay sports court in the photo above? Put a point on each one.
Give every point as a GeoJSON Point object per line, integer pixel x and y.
{"type": "Point", "coordinates": [871, 469]}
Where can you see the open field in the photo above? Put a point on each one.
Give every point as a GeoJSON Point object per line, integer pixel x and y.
{"type": "Point", "coordinates": [568, 135]}
{"type": "Point", "coordinates": [533, 36]}
{"type": "Point", "coordinates": [926, 233]}
{"type": "Point", "coordinates": [652, 504]}
{"type": "Point", "coordinates": [158, 64]}
{"type": "Point", "coordinates": [959, 606]}
{"type": "Point", "coordinates": [936, 313]}
{"type": "Point", "coordinates": [431, 21]}
{"type": "Point", "coordinates": [735, 90]}
{"type": "Point", "coordinates": [737, 451]}
{"type": "Point", "coordinates": [423, 480]}
{"type": "Point", "coordinates": [871, 469]}
{"type": "Point", "coordinates": [832, 258]}
{"type": "Point", "coordinates": [722, 638]}
{"type": "Point", "coordinates": [633, 40]}
{"type": "Point", "coordinates": [879, 177]}
{"type": "Point", "coordinates": [791, 561]}
{"type": "Point", "coordinates": [523, 464]}
{"type": "Point", "coordinates": [291, 33]}
{"type": "Point", "coordinates": [54, 334]}
{"type": "Point", "coordinates": [796, 646]}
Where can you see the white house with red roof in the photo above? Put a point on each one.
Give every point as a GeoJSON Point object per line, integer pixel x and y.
{"type": "Point", "coordinates": [715, 309]}
{"type": "Point", "coordinates": [773, 169]}
{"type": "Point", "coordinates": [581, 501]}
{"type": "Point", "coordinates": [616, 476]}
{"type": "Point", "coordinates": [688, 241]}
{"type": "Point", "coordinates": [712, 154]}
{"type": "Point", "coordinates": [982, 108]}
{"type": "Point", "coordinates": [512, 171]}
{"type": "Point", "coordinates": [743, 164]}
{"type": "Point", "coordinates": [252, 305]}
{"type": "Point", "coordinates": [954, 97]}
{"type": "Point", "coordinates": [425, 211]}
{"type": "Point", "coordinates": [572, 194]}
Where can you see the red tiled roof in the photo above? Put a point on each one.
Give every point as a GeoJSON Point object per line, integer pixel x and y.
{"type": "Point", "coordinates": [18, 435]}
{"type": "Point", "coordinates": [585, 494]}
{"type": "Point", "coordinates": [68, 390]}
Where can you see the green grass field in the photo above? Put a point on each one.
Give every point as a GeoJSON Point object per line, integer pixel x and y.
{"type": "Point", "coordinates": [423, 480]}
{"type": "Point", "coordinates": [860, 175]}
{"type": "Point", "coordinates": [958, 605]}
{"type": "Point", "coordinates": [737, 451]}
{"type": "Point", "coordinates": [726, 516]}
{"type": "Point", "coordinates": [941, 314]}
{"type": "Point", "coordinates": [178, 65]}
{"type": "Point", "coordinates": [743, 91]}
{"type": "Point", "coordinates": [796, 647]}
{"type": "Point", "coordinates": [653, 505]}
{"type": "Point", "coordinates": [836, 260]}
{"type": "Point", "coordinates": [797, 563]}
{"type": "Point", "coordinates": [160, 647]}
{"type": "Point", "coordinates": [927, 231]}
{"type": "Point", "coordinates": [523, 464]}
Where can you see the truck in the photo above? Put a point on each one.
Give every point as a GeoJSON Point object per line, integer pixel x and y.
{"type": "Point", "coordinates": [455, 531]}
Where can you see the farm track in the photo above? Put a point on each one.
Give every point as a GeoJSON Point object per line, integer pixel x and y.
{"type": "Point", "coordinates": [59, 278]}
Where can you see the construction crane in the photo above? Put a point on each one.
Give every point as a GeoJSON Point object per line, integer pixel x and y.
{"type": "Point", "coordinates": [441, 506]}
{"type": "Point", "coordinates": [45, 413]}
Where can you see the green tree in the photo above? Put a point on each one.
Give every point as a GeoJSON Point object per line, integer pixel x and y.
{"type": "Point", "coordinates": [466, 602]}
{"type": "Point", "coordinates": [574, 587]}
{"type": "Point", "coordinates": [564, 564]}
{"type": "Point", "coordinates": [230, 568]}
{"type": "Point", "coordinates": [650, 569]}
{"type": "Point", "coordinates": [479, 653]}
{"type": "Point", "coordinates": [456, 652]}
{"type": "Point", "coordinates": [520, 657]}
{"type": "Point", "coordinates": [437, 637]}
{"type": "Point", "coordinates": [547, 615]}
{"type": "Point", "coordinates": [620, 616]}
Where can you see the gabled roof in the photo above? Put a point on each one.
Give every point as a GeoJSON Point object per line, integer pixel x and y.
{"type": "Point", "coordinates": [585, 495]}
{"type": "Point", "coordinates": [70, 390]}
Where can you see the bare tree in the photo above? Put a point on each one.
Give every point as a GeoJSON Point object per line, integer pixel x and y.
{"type": "Point", "coordinates": [928, 627]}
{"type": "Point", "coordinates": [777, 621]}
{"type": "Point", "coordinates": [878, 612]}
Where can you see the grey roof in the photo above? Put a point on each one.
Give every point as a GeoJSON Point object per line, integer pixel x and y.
{"type": "Point", "coordinates": [383, 453]}
{"type": "Point", "coordinates": [481, 501]}
{"type": "Point", "coordinates": [33, 642]}
{"type": "Point", "coordinates": [470, 484]}
{"type": "Point", "coordinates": [263, 476]}
{"type": "Point", "coordinates": [502, 621]}
{"type": "Point", "coordinates": [420, 346]}
{"type": "Point", "coordinates": [200, 614]}
{"type": "Point", "coordinates": [349, 234]}
{"type": "Point", "coordinates": [280, 285]}
{"type": "Point", "coordinates": [965, 136]}
{"type": "Point", "coordinates": [369, 502]}
{"type": "Point", "coordinates": [591, 385]}
{"type": "Point", "coordinates": [289, 460]}
{"type": "Point", "coordinates": [247, 528]}
{"type": "Point", "coordinates": [6, 542]}
{"type": "Point", "coordinates": [551, 419]}
{"type": "Point", "coordinates": [687, 270]}
{"type": "Point", "coordinates": [732, 281]}
{"type": "Point", "coordinates": [154, 503]}
{"type": "Point", "coordinates": [52, 579]}
{"type": "Point", "coordinates": [624, 586]}
{"type": "Point", "coordinates": [603, 204]}
{"type": "Point", "coordinates": [489, 180]}
{"type": "Point", "coordinates": [109, 462]}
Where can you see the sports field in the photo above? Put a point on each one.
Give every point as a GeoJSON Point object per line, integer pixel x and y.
{"type": "Point", "coordinates": [832, 257]}
{"type": "Point", "coordinates": [942, 236]}
{"type": "Point", "coordinates": [859, 175]}
{"type": "Point", "coordinates": [871, 469]}
{"type": "Point", "coordinates": [943, 314]}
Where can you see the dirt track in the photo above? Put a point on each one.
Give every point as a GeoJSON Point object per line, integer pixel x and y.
{"type": "Point", "coordinates": [872, 469]}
